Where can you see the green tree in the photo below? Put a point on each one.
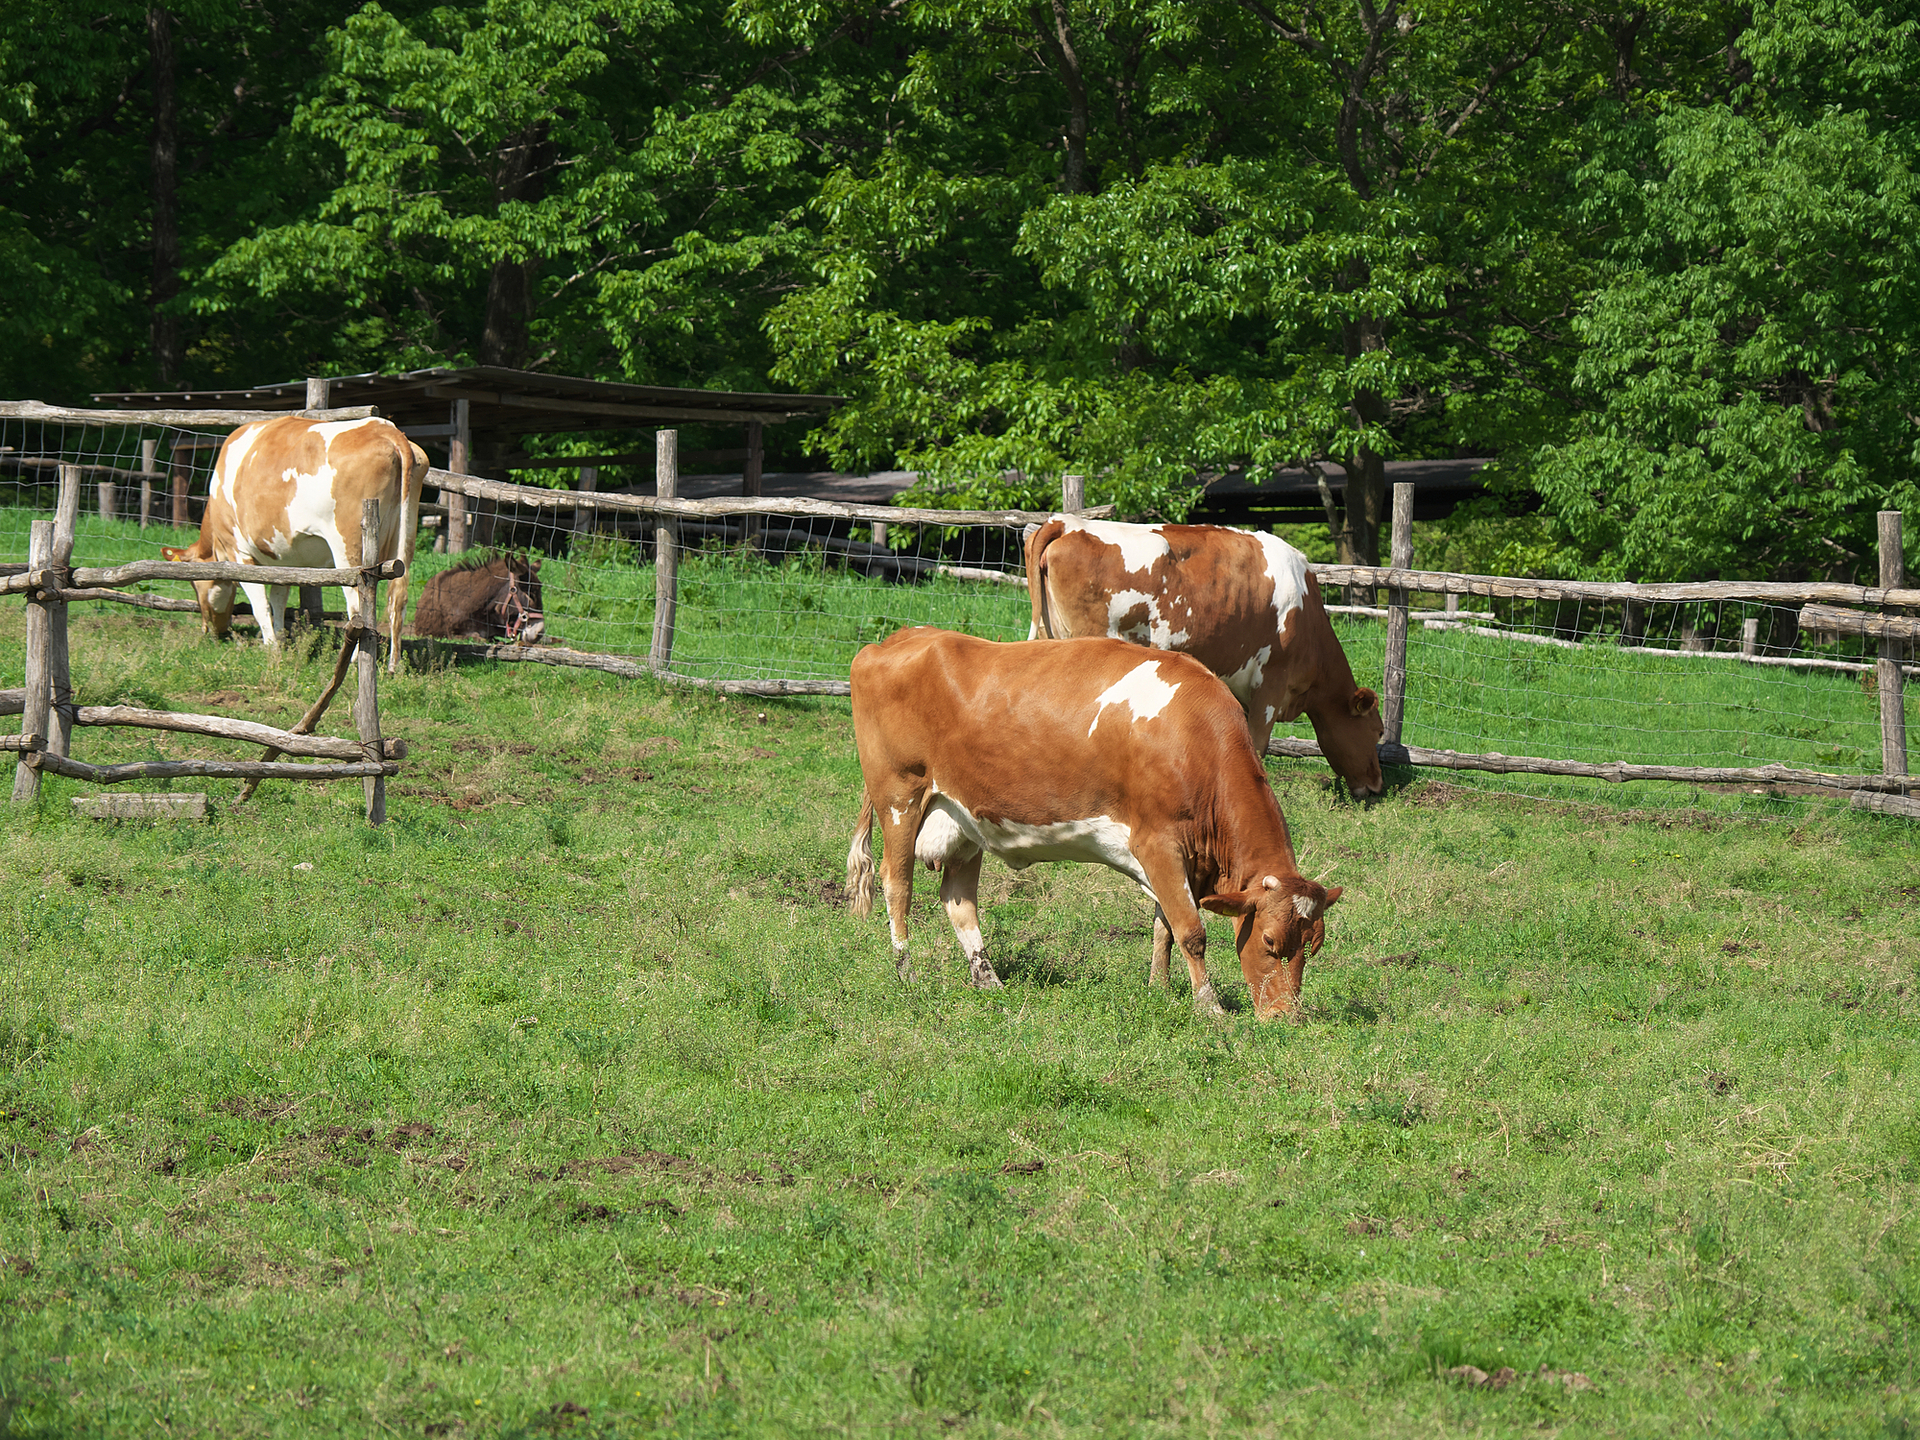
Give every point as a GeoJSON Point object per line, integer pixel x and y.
{"type": "Point", "coordinates": [1749, 365]}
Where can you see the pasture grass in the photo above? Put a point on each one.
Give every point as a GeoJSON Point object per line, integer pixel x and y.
{"type": "Point", "coordinates": [573, 1101]}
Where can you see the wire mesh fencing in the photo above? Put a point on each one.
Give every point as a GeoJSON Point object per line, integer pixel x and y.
{"type": "Point", "coordinates": [143, 484]}
{"type": "Point", "coordinates": [758, 595]}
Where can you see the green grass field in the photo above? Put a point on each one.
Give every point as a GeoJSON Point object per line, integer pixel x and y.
{"type": "Point", "coordinates": [573, 1102]}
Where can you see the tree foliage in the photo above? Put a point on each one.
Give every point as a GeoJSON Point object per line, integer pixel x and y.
{"type": "Point", "coordinates": [1656, 258]}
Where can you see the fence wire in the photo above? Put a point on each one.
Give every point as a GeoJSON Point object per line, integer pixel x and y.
{"type": "Point", "coordinates": [760, 597]}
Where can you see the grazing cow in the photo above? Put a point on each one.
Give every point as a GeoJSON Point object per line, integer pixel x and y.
{"type": "Point", "coordinates": [1082, 750]}
{"type": "Point", "coordinates": [1240, 602]}
{"type": "Point", "coordinates": [496, 597]}
{"type": "Point", "coordinates": [288, 491]}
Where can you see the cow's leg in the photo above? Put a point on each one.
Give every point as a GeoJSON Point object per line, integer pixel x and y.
{"type": "Point", "coordinates": [960, 892]}
{"type": "Point", "coordinates": [1162, 948]}
{"type": "Point", "coordinates": [1167, 874]}
{"type": "Point", "coordinates": [265, 613]}
{"type": "Point", "coordinates": [899, 824]}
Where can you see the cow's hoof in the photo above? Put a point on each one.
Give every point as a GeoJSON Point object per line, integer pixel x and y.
{"type": "Point", "coordinates": [984, 978]}
{"type": "Point", "coordinates": [1206, 1004]}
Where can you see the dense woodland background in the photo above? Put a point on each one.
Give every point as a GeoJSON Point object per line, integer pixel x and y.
{"type": "Point", "coordinates": [1660, 259]}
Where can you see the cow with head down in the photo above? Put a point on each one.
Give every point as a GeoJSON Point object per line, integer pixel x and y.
{"type": "Point", "coordinates": [1240, 602]}
{"type": "Point", "coordinates": [289, 491]}
{"type": "Point", "coordinates": [1077, 750]}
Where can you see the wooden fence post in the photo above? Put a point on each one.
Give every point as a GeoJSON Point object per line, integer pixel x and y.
{"type": "Point", "coordinates": [750, 480]}
{"type": "Point", "coordinates": [1393, 705]}
{"type": "Point", "coordinates": [880, 533]}
{"type": "Point", "coordinates": [148, 448]}
{"type": "Point", "coordinates": [38, 700]}
{"type": "Point", "coordinates": [460, 462]}
{"type": "Point", "coordinates": [666, 561]}
{"type": "Point", "coordinates": [582, 516]}
{"type": "Point", "coordinates": [66, 518]}
{"type": "Point", "coordinates": [366, 700]}
{"type": "Point", "coordinates": [181, 515]}
{"type": "Point", "coordinates": [1750, 636]}
{"type": "Point", "coordinates": [1073, 493]}
{"type": "Point", "coordinates": [1887, 673]}
{"type": "Point", "coordinates": [109, 499]}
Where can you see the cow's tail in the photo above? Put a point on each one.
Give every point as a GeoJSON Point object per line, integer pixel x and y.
{"type": "Point", "coordinates": [860, 859]}
{"type": "Point", "coordinates": [1037, 543]}
{"type": "Point", "coordinates": [412, 481]}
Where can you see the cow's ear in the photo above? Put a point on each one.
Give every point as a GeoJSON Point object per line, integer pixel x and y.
{"type": "Point", "coordinates": [1332, 895]}
{"type": "Point", "coordinates": [172, 552]}
{"type": "Point", "coordinates": [1238, 902]}
{"type": "Point", "coordinates": [1364, 702]}
{"type": "Point", "coordinates": [533, 564]}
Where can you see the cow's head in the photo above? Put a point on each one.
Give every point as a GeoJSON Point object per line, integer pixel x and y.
{"type": "Point", "coordinates": [215, 596]}
{"type": "Point", "coordinates": [1349, 730]}
{"type": "Point", "coordinates": [1281, 921]}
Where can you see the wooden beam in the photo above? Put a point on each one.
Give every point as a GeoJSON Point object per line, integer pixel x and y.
{"type": "Point", "coordinates": [207, 770]}
{"type": "Point", "coordinates": [1853, 622]}
{"type": "Point", "coordinates": [1440, 582]}
{"type": "Point", "coordinates": [61, 415]}
{"type": "Point", "coordinates": [1617, 771]}
{"type": "Point", "coordinates": [640, 413]}
{"type": "Point", "coordinates": [535, 496]}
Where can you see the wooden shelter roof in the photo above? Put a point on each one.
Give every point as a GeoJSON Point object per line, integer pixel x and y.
{"type": "Point", "coordinates": [504, 401]}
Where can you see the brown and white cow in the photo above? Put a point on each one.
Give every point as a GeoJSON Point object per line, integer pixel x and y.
{"type": "Point", "coordinates": [288, 491]}
{"type": "Point", "coordinates": [1081, 750]}
{"type": "Point", "coordinates": [1240, 602]}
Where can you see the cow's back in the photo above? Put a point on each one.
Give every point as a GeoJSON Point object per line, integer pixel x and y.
{"type": "Point", "coordinates": [1041, 730]}
{"type": "Point", "coordinates": [291, 489]}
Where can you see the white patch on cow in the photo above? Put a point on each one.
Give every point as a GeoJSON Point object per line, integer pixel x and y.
{"type": "Point", "coordinates": [238, 444]}
{"type": "Point", "coordinates": [895, 812]}
{"type": "Point", "coordinates": [1139, 545]}
{"type": "Point", "coordinates": [1100, 840]}
{"type": "Point", "coordinates": [1270, 714]}
{"type": "Point", "coordinates": [940, 839]}
{"type": "Point", "coordinates": [328, 430]}
{"type": "Point", "coordinates": [1303, 906]}
{"type": "Point", "coordinates": [1142, 691]}
{"type": "Point", "coordinates": [1244, 681]}
{"type": "Point", "coordinates": [1287, 569]}
{"type": "Point", "coordinates": [972, 942]}
{"type": "Point", "coordinates": [1153, 631]}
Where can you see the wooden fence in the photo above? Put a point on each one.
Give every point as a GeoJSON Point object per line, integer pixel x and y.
{"type": "Point", "coordinates": [48, 712]}
{"type": "Point", "coordinates": [1886, 791]}
{"type": "Point", "coordinates": [1867, 611]}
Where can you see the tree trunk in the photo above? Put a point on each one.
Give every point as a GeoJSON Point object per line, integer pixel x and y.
{"type": "Point", "coordinates": [164, 326]}
{"type": "Point", "coordinates": [1057, 35]}
{"type": "Point", "coordinates": [520, 174]}
{"type": "Point", "coordinates": [1366, 501]}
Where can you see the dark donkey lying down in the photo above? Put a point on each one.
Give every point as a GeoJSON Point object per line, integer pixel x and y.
{"type": "Point", "coordinates": [494, 597]}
